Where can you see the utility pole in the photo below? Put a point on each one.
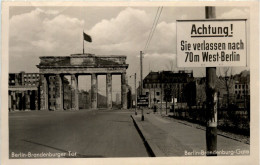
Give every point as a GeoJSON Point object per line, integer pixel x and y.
{"type": "Point", "coordinates": [154, 99]}
{"type": "Point", "coordinates": [141, 77]}
{"type": "Point", "coordinates": [161, 78]}
{"type": "Point", "coordinates": [83, 42]}
{"type": "Point", "coordinates": [149, 95]}
{"type": "Point", "coordinates": [211, 111]}
{"type": "Point", "coordinates": [141, 71]}
{"type": "Point", "coordinates": [135, 96]}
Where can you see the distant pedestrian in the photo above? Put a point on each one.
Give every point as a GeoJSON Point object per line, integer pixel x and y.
{"type": "Point", "coordinates": [154, 108]}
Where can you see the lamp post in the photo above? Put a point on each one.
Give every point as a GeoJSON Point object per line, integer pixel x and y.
{"type": "Point", "coordinates": [227, 88]}
{"type": "Point", "coordinates": [135, 94]}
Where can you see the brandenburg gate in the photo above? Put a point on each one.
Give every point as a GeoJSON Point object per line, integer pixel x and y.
{"type": "Point", "coordinates": [80, 64]}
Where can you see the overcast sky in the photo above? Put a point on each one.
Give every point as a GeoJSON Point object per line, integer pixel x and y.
{"type": "Point", "coordinates": [57, 31]}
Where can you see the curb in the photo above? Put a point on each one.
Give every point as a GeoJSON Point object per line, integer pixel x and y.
{"type": "Point", "coordinates": [152, 149]}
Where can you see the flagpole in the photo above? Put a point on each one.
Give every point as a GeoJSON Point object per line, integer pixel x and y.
{"type": "Point", "coordinates": [83, 42]}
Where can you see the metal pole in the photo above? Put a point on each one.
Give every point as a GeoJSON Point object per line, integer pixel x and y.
{"type": "Point", "coordinates": [154, 98]}
{"type": "Point", "coordinates": [161, 91]}
{"type": "Point", "coordinates": [141, 77]}
{"type": "Point", "coordinates": [141, 71]}
{"type": "Point", "coordinates": [211, 112]}
{"type": "Point", "coordinates": [83, 41]}
{"type": "Point", "coordinates": [135, 96]}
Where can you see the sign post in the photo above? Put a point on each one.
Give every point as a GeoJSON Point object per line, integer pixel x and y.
{"type": "Point", "coordinates": [211, 43]}
{"type": "Point", "coordinates": [142, 101]}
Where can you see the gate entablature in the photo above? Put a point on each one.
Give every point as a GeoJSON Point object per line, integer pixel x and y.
{"type": "Point", "coordinates": [87, 63]}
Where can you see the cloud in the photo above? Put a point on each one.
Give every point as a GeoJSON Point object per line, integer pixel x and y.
{"type": "Point", "coordinates": [44, 32]}
{"type": "Point", "coordinates": [164, 40]}
{"type": "Point", "coordinates": [159, 61]}
{"type": "Point", "coordinates": [236, 13]}
{"type": "Point", "coordinates": [168, 56]}
{"type": "Point", "coordinates": [129, 31]}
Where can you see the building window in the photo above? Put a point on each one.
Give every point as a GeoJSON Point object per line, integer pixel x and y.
{"type": "Point", "coordinates": [147, 93]}
{"type": "Point", "coordinates": [158, 93]}
{"type": "Point", "coordinates": [235, 86]}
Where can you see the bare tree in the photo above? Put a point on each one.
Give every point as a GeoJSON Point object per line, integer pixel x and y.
{"type": "Point", "coordinates": [167, 95]}
{"type": "Point", "coordinates": [200, 93]}
{"type": "Point", "coordinates": [227, 77]}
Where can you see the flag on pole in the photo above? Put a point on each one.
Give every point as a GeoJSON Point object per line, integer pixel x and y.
{"type": "Point", "coordinates": [87, 37]}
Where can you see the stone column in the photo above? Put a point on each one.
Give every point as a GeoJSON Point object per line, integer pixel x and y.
{"type": "Point", "coordinates": [44, 101]}
{"type": "Point", "coordinates": [36, 101]}
{"type": "Point", "coordinates": [75, 93]}
{"type": "Point", "coordinates": [27, 100]}
{"type": "Point", "coordinates": [23, 101]}
{"type": "Point", "coordinates": [94, 91]}
{"type": "Point", "coordinates": [18, 101]}
{"type": "Point", "coordinates": [123, 91]}
{"type": "Point", "coordinates": [14, 100]}
{"type": "Point", "coordinates": [59, 92]}
{"type": "Point", "coordinates": [109, 90]}
{"type": "Point", "coordinates": [9, 100]}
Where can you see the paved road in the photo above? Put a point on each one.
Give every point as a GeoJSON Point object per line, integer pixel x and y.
{"type": "Point", "coordinates": [102, 133]}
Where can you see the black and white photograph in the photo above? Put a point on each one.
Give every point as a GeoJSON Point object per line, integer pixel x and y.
{"type": "Point", "coordinates": [137, 82]}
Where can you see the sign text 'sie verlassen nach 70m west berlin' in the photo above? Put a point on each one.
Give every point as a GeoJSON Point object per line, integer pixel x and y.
{"type": "Point", "coordinates": [211, 43]}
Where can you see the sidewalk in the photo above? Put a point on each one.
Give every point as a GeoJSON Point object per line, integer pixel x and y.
{"type": "Point", "coordinates": [170, 138]}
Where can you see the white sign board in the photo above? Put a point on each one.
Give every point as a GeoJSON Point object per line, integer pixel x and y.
{"type": "Point", "coordinates": [211, 43]}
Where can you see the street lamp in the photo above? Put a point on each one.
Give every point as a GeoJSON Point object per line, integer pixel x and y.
{"type": "Point", "coordinates": [135, 94]}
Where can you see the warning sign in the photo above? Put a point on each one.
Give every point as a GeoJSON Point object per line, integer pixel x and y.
{"type": "Point", "coordinates": [211, 43]}
{"type": "Point", "coordinates": [142, 100]}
